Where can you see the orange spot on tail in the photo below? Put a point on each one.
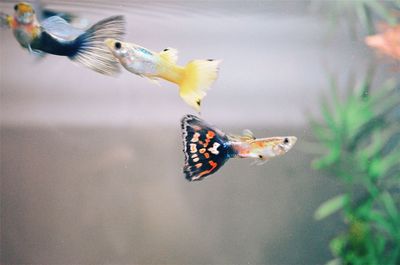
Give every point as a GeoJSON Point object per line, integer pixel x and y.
{"type": "Point", "coordinates": [213, 166]}
{"type": "Point", "coordinates": [210, 134]}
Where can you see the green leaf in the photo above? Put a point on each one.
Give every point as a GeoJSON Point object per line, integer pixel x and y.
{"type": "Point", "coordinates": [364, 16]}
{"type": "Point", "coordinates": [390, 205]}
{"type": "Point", "coordinates": [328, 160]}
{"type": "Point", "coordinates": [394, 255]}
{"type": "Point", "coordinates": [380, 221]}
{"type": "Point", "coordinates": [338, 244]}
{"type": "Point", "coordinates": [380, 166]}
{"type": "Point", "coordinates": [331, 206]}
{"type": "Point", "coordinates": [328, 116]}
{"type": "Point", "coordinates": [382, 11]}
{"type": "Point", "coordinates": [337, 105]}
{"type": "Point", "coordinates": [321, 132]}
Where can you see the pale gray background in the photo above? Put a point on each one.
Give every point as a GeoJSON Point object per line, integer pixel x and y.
{"type": "Point", "coordinates": [91, 166]}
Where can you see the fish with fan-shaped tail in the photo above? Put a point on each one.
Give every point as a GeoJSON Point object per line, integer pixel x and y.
{"type": "Point", "coordinates": [55, 35]}
{"type": "Point", "coordinates": [207, 148]}
{"type": "Point", "coordinates": [193, 80]}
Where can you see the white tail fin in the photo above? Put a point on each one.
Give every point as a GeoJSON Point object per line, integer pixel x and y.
{"type": "Point", "coordinates": [92, 51]}
{"type": "Point", "coordinates": [199, 76]}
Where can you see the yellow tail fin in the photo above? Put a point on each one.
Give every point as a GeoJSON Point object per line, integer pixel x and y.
{"type": "Point", "coordinates": [198, 77]}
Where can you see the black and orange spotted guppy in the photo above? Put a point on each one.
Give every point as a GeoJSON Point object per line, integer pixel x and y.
{"type": "Point", "coordinates": [206, 148]}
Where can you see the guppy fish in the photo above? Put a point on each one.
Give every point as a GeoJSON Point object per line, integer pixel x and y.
{"type": "Point", "coordinates": [207, 148]}
{"type": "Point", "coordinates": [56, 36]}
{"type": "Point", "coordinates": [193, 80]}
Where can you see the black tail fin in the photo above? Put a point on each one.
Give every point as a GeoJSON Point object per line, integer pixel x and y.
{"type": "Point", "coordinates": [206, 149]}
{"type": "Point", "coordinates": [93, 53]}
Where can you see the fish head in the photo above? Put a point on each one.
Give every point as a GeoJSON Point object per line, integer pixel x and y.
{"type": "Point", "coordinates": [283, 145]}
{"type": "Point", "coordinates": [24, 13]}
{"type": "Point", "coordinates": [270, 147]}
{"type": "Point", "coordinates": [118, 48]}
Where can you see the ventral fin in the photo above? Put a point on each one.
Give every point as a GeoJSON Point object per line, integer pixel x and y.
{"type": "Point", "coordinates": [170, 55]}
{"type": "Point", "coordinates": [259, 162]}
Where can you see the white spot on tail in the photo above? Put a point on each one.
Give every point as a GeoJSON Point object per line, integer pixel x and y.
{"type": "Point", "coordinates": [214, 149]}
{"type": "Point", "coordinates": [193, 148]}
{"type": "Point", "coordinates": [195, 137]}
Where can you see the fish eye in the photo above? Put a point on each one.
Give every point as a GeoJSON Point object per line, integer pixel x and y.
{"type": "Point", "coordinates": [260, 156]}
{"type": "Point", "coordinates": [16, 7]}
{"type": "Point", "coordinates": [117, 45]}
{"type": "Point", "coordinates": [286, 140]}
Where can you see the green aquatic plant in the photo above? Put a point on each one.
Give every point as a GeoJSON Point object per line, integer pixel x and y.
{"type": "Point", "coordinates": [361, 12]}
{"type": "Point", "coordinates": [360, 134]}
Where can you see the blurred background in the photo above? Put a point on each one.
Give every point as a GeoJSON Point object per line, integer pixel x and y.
{"type": "Point", "coordinates": [91, 165]}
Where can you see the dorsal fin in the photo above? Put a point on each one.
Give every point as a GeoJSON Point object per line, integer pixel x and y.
{"type": "Point", "coordinates": [170, 55]}
{"type": "Point", "coordinates": [60, 29]}
{"type": "Point", "coordinates": [248, 134]}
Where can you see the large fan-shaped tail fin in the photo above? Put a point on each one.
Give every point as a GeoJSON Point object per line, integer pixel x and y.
{"type": "Point", "coordinates": [93, 53]}
{"type": "Point", "coordinates": [206, 148]}
{"type": "Point", "coordinates": [199, 76]}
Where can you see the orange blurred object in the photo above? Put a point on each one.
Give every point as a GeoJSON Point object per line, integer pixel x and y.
{"type": "Point", "coordinates": [388, 42]}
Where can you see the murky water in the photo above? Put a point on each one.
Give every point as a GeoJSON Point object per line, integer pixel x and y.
{"type": "Point", "coordinates": [91, 166]}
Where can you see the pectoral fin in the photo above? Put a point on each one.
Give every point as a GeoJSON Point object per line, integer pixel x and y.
{"type": "Point", "coordinates": [247, 134]}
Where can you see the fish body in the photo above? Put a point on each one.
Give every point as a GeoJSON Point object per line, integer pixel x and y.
{"type": "Point", "coordinates": [263, 148]}
{"type": "Point", "coordinates": [139, 60]}
{"type": "Point", "coordinates": [55, 35]}
{"type": "Point", "coordinates": [194, 79]}
{"type": "Point", "coordinates": [24, 24]}
{"type": "Point", "coordinates": [207, 148]}
{"type": "Point", "coordinates": [25, 34]}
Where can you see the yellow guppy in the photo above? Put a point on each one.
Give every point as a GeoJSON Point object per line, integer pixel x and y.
{"type": "Point", "coordinates": [193, 80]}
